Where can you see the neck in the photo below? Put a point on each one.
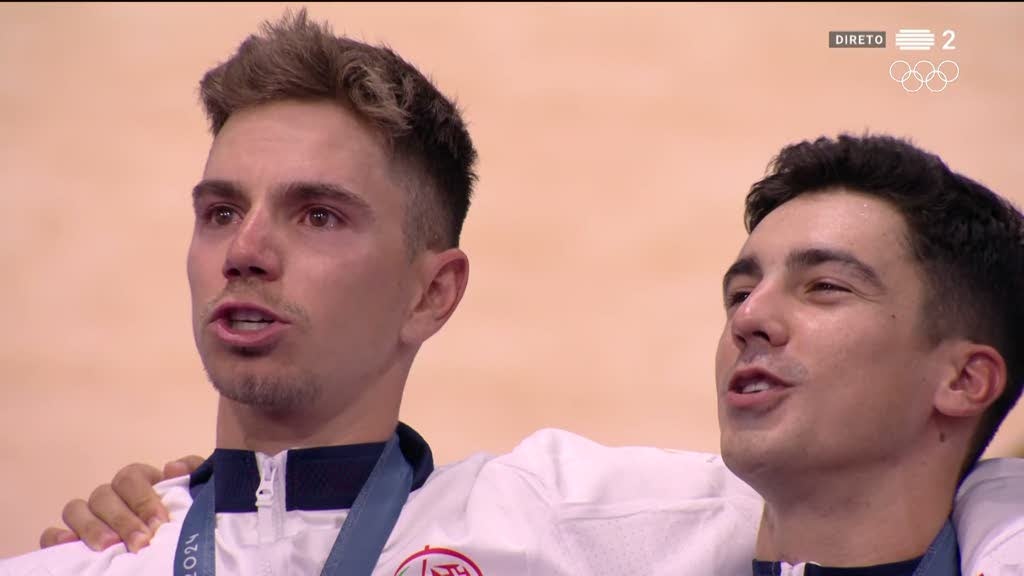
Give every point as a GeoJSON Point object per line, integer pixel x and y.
{"type": "Point", "coordinates": [366, 420]}
{"type": "Point", "coordinates": [881, 515]}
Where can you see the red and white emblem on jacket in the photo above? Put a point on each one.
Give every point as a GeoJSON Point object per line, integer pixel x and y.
{"type": "Point", "coordinates": [438, 562]}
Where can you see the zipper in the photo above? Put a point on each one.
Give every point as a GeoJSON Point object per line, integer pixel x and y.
{"type": "Point", "coordinates": [265, 501]}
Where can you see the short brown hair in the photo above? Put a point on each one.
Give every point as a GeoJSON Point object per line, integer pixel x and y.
{"type": "Point", "coordinates": [295, 59]}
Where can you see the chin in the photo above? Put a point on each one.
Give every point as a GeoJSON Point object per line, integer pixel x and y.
{"type": "Point", "coordinates": [750, 458]}
{"type": "Point", "coordinates": [267, 391]}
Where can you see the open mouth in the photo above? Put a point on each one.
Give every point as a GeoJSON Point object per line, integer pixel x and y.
{"type": "Point", "coordinates": [755, 387]}
{"type": "Point", "coordinates": [754, 381]}
{"type": "Point", "coordinates": [241, 325]}
{"type": "Point", "coordinates": [246, 320]}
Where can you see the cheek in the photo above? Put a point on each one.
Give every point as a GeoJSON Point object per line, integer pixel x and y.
{"type": "Point", "coordinates": [204, 268]}
{"type": "Point", "coordinates": [867, 367]}
{"type": "Point", "coordinates": [364, 292]}
{"type": "Point", "coordinates": [194, 267]}
{"type": "Point", "coordinates": [869, 347]}
{"type": "Point", "coordinates": [725, 355]}
{"type": "Point", "coordinates": [848, 342]}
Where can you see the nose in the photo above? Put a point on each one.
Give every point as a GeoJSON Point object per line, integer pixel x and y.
{"type": "Point", "coordinates": [254, 253]}
{"type": "Point", "coordinates": [760, 320]}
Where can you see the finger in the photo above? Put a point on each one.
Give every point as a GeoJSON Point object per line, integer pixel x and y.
{"type": "Point", "coordinates": [93, 531]}
{"type": "Point", "coordinates": [53, 536]}
{"type": "Point", "coordinates": [133, 488]}
{"type": "Point", "coordinates": [182, 466]}
{"type": "Point", "coordinates": [110, 508]}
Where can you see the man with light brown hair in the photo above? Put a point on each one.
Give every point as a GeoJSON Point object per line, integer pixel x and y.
{"type": "Point", "coordinates": [324, 254]}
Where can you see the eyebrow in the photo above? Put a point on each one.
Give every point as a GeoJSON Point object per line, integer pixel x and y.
{"type": "Point", "coordinates": [222, 188]}
{"type": "Point", "coordinates": [811, 257]}
{"type": "Point", "coordinates": [748, 266]}
{"type": "Point", "coordinates": [325, 191]}
{"type": "Point", "coordinates": [806, 258]}
{"type": "Point", "coordinates": [294, 191]}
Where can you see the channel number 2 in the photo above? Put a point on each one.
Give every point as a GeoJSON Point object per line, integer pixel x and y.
{"type": "Point", "coordinates": [949, 42]}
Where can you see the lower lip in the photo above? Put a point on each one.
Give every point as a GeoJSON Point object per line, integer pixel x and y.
{"type": "Point", "coordinates": [758, 400]}
{"type": "Point", "coordinates": [261, 338]}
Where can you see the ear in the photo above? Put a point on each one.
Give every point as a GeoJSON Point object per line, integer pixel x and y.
{"type": "Point", "coordinates": [977, 380]}
{"type": "Point", "coordinates": [442, 279]}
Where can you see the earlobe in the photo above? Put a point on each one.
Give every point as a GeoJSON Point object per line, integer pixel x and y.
{"type": "Point", "coordinates": [442, 283]}
{"type": "Point", "coordinates": [977, 383]}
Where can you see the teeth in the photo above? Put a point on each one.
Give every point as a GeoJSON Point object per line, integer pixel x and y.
{"type": "Point", "coordinates": [247, 326]}
{"type": "Point", "coordinates": [248, 316]}
{"type": "Point", "coordinates": [759, 386]}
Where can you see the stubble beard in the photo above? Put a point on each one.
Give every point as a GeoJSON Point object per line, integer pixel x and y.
{"type": "Point", "coordinates": [271, 393]}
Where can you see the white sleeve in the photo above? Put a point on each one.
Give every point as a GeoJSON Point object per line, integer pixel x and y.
{"type": "Point", "coordinates": [64, 559]}
{"type": "Point", "coordinates": [77, 559]}
{"type": "Point", "coordinates": [989, 517]}
{"type": "Point", "coordinates": [628, 510]}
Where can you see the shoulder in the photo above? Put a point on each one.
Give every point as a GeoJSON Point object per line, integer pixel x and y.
{"type": "Point", "coordinates": [567, 467]}
{"type": "Point", "coordinates": [668, 511]}
{"type": "Point", "coordinates": [989, 517]}
{"type": "Point", "coordinates": [630, 508]}
{"type": "Point", "coordinates": [573, 469]}
{"type": "Point", "coordinates": [76, 559]}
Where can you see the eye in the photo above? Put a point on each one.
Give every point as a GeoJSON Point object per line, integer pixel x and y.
{"type": "Point", "coordinates": [321, 218]}
{"type": "Point", "coordinates": [827, 287]}
{"type": "Point", "coordinates": [221, 215]}
{"type": "Point", "coordinates": [735, 298]}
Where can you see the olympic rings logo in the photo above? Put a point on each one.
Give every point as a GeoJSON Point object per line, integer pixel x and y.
{"type": "Point", "coordinates": [924, 74]}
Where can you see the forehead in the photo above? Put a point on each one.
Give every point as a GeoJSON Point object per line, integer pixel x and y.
{"type": "Point", "coordinates": [863, 225]}
{"type": "Point", "coordinates": [288, 141]}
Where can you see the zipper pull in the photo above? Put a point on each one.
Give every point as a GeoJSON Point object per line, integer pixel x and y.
{"type": "Point", "coordinates": [265, 501]}
{"type": "Point", "coordinates": [265, 491]}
